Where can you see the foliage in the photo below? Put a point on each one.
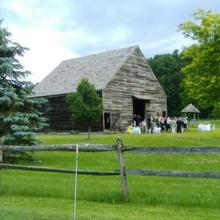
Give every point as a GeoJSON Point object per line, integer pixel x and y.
{"type": "Point", "coordinates": [19, 116]}
{"type": "Point", "coordinates": [202, 74]}
{"type": "Point", "coordinates": [216, 111]}
{"type": "Point", "coordinates": [167, 68]}
{"type": "Point", "coordinates": [85, 104]}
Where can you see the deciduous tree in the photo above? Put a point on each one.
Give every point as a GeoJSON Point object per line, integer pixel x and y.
{"type": "Point", "coordinates": [85, 105]}
{"type": "Point", "coordinates": [167, 68]}
{"type": "Point", "coordinates": [202, 74]}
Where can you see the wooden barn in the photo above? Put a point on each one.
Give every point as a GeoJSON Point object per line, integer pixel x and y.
{"type": "Point", "coordinates": [122, 77]}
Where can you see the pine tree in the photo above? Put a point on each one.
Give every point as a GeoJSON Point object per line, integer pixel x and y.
{"type": "Point", "coordinates": [19, 115]}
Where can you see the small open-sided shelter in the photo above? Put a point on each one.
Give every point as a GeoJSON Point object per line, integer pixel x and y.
{"type": "Point", "coordinates": [191, 109]}
{"type": "Point", "coordinates": [122, 77]}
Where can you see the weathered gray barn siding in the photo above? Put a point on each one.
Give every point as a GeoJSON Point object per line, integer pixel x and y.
{"type": "Point", "coordinates": [120, 75]}
{"type": "Point", "coordinates": [134, 78]}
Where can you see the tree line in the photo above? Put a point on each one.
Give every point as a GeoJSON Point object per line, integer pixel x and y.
{"type": "Point", "coordinates": [193, 74]}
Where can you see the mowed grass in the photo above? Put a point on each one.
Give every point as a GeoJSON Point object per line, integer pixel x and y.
{"type": "Point", "coordinates": [191, 138]}
{"type": "Point", "coordinates": [40, 195]}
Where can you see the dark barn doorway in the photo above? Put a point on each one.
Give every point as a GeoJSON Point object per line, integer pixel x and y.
{"type": "Point", "coordinates": [139, 108]}
{"type": "Point", "coordinates": [107, 121]}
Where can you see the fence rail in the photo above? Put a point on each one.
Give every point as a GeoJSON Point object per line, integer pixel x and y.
{"type": "Point", "coordinates": [102, 147]}
{"type": "Point", "coordinates": [120, 149]}
{"type": "Point", "coordinates": [174, 173]}
{"type": "Point", "coordinates": [174, 150]}
{"type": "Point", "coordinates": [59, 170]}
{"type": "Point", "coordinates": [129, 172]}
{"type": "Point", "coordinates": [65, 147]}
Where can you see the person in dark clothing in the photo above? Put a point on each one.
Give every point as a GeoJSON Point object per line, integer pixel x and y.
{"type": "Point", "coordinates": [138, 120]}
{"type": "Point", "coordinates": [148, 120]}
{"type": "Point", "coordinates": [179, 125]}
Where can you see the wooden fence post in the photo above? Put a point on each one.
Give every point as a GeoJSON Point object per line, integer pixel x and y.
{"type": "Point", "coordinates": [1, 158]}
{"type": "Point", "coordinates": [124, 186]}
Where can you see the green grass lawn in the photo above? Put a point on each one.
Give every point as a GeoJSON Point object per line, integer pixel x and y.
{"type": "Point", "coordinates": [39, 195]}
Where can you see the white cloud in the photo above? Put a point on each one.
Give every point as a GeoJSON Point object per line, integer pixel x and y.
{"type": "Point", "coordinates": [120, 34]}
{"type": "Point", "coordinates": [35, 12]}
{"type": "Point", "coordinates": [37, 32]}
{"type": "Point", "coordinates": [46, 50]}
{"type": "Point", "coordinates": [166, 45]}
{"type": "Point", "coordinates": [20, 7]}
{"type": "Point", "coordinates": [90, 28]}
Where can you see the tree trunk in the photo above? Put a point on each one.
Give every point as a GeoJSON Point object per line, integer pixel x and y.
{"type": "Point", "coordinates": [89, 132]}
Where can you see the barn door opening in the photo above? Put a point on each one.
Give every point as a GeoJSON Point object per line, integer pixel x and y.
{"type": "Point", "coordinates": [139, 108]}
{"type": "Point", "coordinates": [107, 120]}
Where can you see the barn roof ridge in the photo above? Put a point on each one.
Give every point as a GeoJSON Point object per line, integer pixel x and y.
{"type": "Point", "coordinates": [101, 52]}
{"type": "Point", "coordinates": [100, 68]}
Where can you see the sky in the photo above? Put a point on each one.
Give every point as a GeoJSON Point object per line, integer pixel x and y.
{"type": "Point", "coordinates": [55, 30]}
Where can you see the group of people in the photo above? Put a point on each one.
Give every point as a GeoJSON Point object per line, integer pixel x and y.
{"type": "Point", "coordinates": [157, 124]}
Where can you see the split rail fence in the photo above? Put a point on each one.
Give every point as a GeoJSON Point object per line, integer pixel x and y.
{"type": "Point", "coordinates": [120, 149]}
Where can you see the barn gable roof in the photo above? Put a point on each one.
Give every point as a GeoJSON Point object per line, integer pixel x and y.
{"type": "Point", "coordinates": [99, 68]}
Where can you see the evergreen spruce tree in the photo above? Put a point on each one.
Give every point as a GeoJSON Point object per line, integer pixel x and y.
{"type": "Point", "coordinates": [19, 115]}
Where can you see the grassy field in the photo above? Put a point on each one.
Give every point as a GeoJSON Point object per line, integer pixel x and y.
{"type": "Point", "coordinates": [42, 196]}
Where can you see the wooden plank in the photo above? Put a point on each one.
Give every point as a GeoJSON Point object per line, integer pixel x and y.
{"type": "Point", "coordinates": [101, 147]}
{"type": "Point", "coordinates": [59, 170]}
{"type": "Point", "coordinates": [57, 111]}
{"type": "Point", "coordinates": [122, 169]}
{"type": "Point", "coordinates": [174, 173]}
{"type": "Point", "coordinates": [174, 150]}
{"type": "Point", "coordinates": [135, 172]}
{"type": "Point", "coordinates": [65, 147]}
